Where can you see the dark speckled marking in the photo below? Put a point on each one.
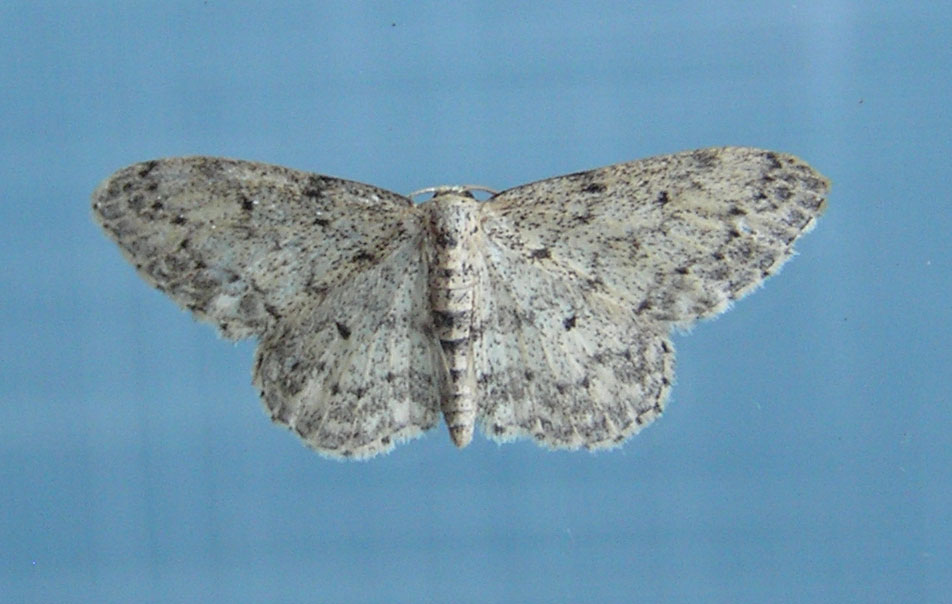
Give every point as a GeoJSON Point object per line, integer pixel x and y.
{"type": "Point", "coordinates": [540, 253]}
{"type": "Point", "coordinates": [446, 240]}
{"type": "Point", "coordinates": [314, 187]}
{"type": "Point", "coordinates": [146, 168]}
{"type": "Point", "coordinates": [582, 218]}
{"type": "Point", "coordinates": [445, 318]}
{"type": "Point", "coordinates": [343, 330]}
{"type": "Point", "coordinates": [451, 346]}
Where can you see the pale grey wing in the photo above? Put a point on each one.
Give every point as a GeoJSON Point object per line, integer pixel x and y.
{"type": "Point", "coordinates": [559, 362]}
{"type": "Point", "coordinates": [585, 275]}
{"type": "Point", "coordinates": [327, 272]}
{"type": "Point", "coordinates": [675, 237]}
{"type": "Point", "coordinates": [362, 371]}
{"type": "Point", "coordinates": [242, 244]}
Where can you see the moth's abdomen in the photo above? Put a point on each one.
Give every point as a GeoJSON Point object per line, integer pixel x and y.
{"type": "Point", "coordinates": [454, 237]}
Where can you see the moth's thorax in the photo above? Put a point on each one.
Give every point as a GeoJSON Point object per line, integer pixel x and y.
{"type": "Point", "coordinates": [453, 226]}
{"type": "Point", "coordinates": [452, 222]}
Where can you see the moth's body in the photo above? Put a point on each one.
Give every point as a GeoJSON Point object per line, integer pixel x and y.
{"type": "Point", "coordinates": [543, 312]}
{"type": "Point", "coordinates": [453, 244]}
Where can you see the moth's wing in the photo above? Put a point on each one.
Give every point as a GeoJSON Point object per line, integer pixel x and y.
{"type": "Point", "coordinates": [674, 237]}
{"type": "Point", "coordinates": [360, 372]}
{"type": "Point", "coordinates": [241, 244]}
{"type": "Point", "coordinates": [561, 363]}
{"type": "Point", "coordinates": [327, 272]}
{"type": "Point", "coordinates": [615, 257]}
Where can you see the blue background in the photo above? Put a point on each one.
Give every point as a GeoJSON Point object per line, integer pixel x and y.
{"type": "Point", "coordinates": [806, 453]}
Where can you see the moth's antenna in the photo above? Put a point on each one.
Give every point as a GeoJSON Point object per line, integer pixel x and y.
{"type": "Point", "coordinates": [452, 189]}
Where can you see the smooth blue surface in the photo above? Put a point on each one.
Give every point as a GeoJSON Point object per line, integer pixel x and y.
{"type": "Point", "coordinates": [806, 452]}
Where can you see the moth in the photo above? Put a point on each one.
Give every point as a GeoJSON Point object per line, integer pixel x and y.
{"type": "Point", "coordinates": [542, 312]}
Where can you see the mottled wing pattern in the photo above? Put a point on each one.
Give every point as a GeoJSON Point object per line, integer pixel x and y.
{"type": "Point", "coordinates": [242, 244]}
{"type": "Point", "coordinates": [626, 252]}
{"type": "Point", "coordinates": [559, 362]}
{"type": "Point", "coordinates": [262, 250]}
{"type": "Point", "coordinates": [362, 371]}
